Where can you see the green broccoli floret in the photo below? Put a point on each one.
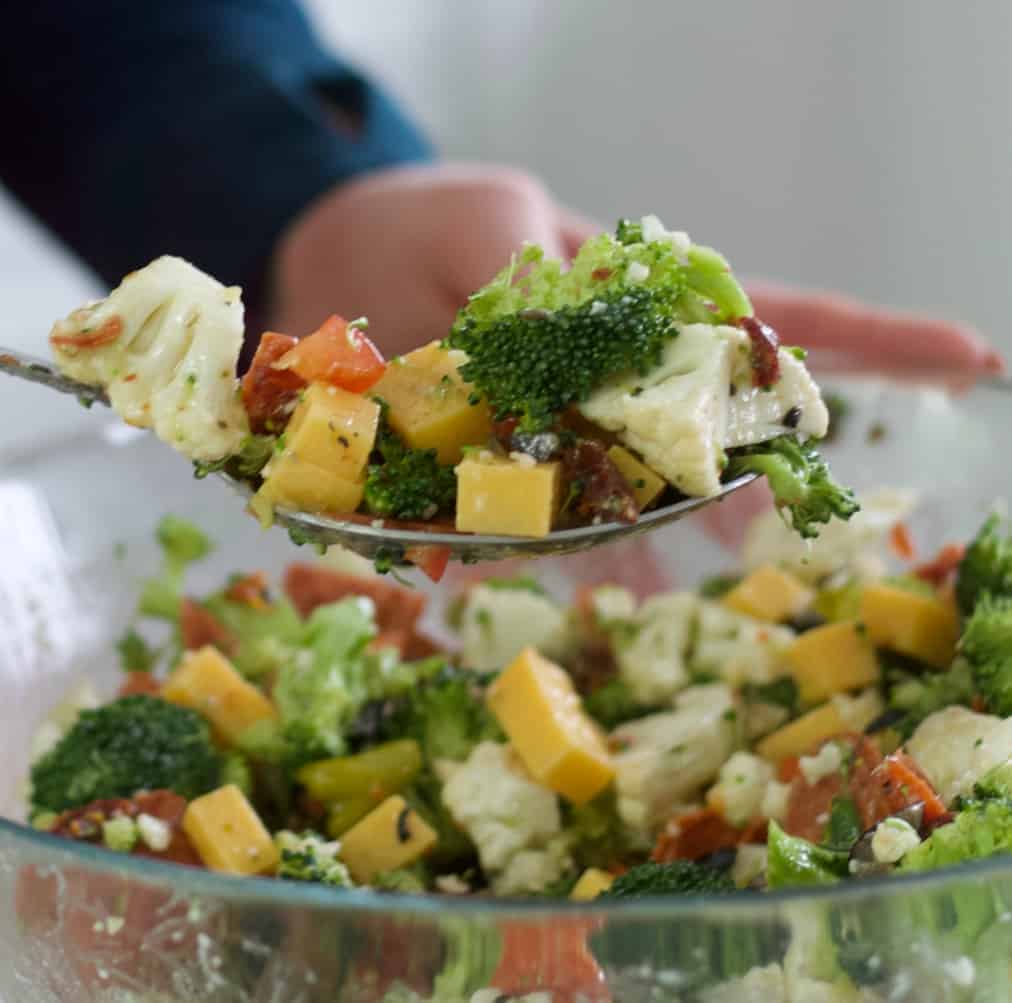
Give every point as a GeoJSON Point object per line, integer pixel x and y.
{"type": "Point", "coordinates": [919, 696]}
{"type": "Point", "coordinates": [981, 829]}
{"type": "Point", "coordinates": [613, 703]}
{"type": "Point", "coordinates": [135, 654]}
{"type": "Point", "coordinates": [986, 644]}
{"type": "Point", "coordinates": [134, 743]}
{"type": "Point", "coordinates": [182, 543]}
{"type": "Point", "coordinates": [309, 857]}
{"type": "Point", "coordinates": [265, 634]}
{"type": "Point", "coordinates": [407, 483]}
{"type": "Point", "coordinates": [986, 566]}
{"type": "Point", "coordinates": [679, 877]}
{"type": "Point", "coordinates": [120, 834]}
{"type": "Point", "coordinates": [406, 880]}
{"type": "Point", "coordinates": [803, 489]}
{"type": "Point", "coordinates": [996, 784]}
{"type": "Point", "coordinates": [596, 834]}
{"type": "Point", "coordinates": [236, 770]}
{"type": "Point", "coordinates": [254, 452]}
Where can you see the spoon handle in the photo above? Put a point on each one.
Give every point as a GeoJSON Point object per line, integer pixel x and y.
{"type": "Point", "coordinates": [35, 370]}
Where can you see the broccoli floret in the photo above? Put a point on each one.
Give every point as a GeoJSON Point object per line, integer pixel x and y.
{"type": "Point", "coordinates": [407, 483]}
{"type": "Point", "coordinates": [265, 633]}
{"type": "Point", "coordinates": [996, 784]}
{"type": "Point", "coordinates": [803, 489]}
{"type": "Point", "coordinates": [986, 645]}
{"type": "Point", "coordinates": [236, 770]}
{"type": "Point", "coordinates": [679, 877]}
{"type": "Point", "coordinates": [120, 834]}
{"type": "Point", "coordinates": [310, 858]}
{"type": "Point", "coordinates": [986, 566]}
{"type": "Point", "coordinates": [135, 654]}
{"type": "Point", "coordinates": [614, 703]}
{"type": "Point", "coordinates": [406, 880]}
{"type": "Point", "coordinates": [182, 543]}
{"type": "Point", "coordinates": [134, 743]}
{"type": "Point", "coordinates": [246, 464]}
{"type": "Point", "coordinates": [597, 836]}
{"type": "Point", "coordinates": [981, 829]}
{"type": "Point", "coordinates": [920, 696]}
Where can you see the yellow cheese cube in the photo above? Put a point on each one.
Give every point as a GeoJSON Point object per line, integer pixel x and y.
{"type": "Point", "coordinates": [923, 627]}
{"type": "Point", "coordinates": [500, 496]}
{"type": "Point", "coordinates": [390, 836]}
{"type": "Point", "coordinates": [227, 833]}
{"type": "Point", "coordinates": [539, 709]}
{"type": "Point", "coordinates": [430, 406]}
{"type": "Point", "coordinates": [646, 485]}
{"type": "Point", "coordinates": [207, 682]}
{"type": "Point", "coordinates": [832, 659]}
{"type": "Point", "coordinates": [802, 735]}
{"type": "Point", "coordinates": [326, 448]}
{"type": "Point", "coordinates": [592, 882]}
{"type": "Point", "coordinates": [769, 594]}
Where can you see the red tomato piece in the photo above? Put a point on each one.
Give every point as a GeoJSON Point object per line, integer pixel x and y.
{"type": "Point", "coordinates": [143, 683]}
{"type": "Point", "coordinates": [199, 627]}
{"type": "Point", "coordinates": [694, 835]}
{"type": "Point", "coordinates": [430, 560]}
{"type": "Point", "coordinates": [268, 393]}
{"type": "Point", "coordinates": [338, 354]}
{"type": "Point", "coordinates": [902, 543]}
{"type": "Point", "coordinates": [250, 590]}
{"type": "Point", "coordinates": [942, 567]}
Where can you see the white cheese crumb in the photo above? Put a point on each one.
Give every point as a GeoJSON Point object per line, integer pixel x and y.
{"type": "Point", "coordinates": [775, 799]}
{"type": "Point", "coordinates": [523, 459]}
{"type": "Point", "coordinates": [826, 761]}
{"type": "Point", "coordinates": [960, 970]}
{"type": "Point", "coordinates": [637, 272]}
{"type": "Point", "coordinates": [155, 833]}
{"type": "Point", "coordinates": [452, 884]}
{"type": "Point", "coordinates": [597, 307]}
{"type": "Point", "coordinates": [893, 839]}
{"type": "Point", "coordinates": [114, 924]}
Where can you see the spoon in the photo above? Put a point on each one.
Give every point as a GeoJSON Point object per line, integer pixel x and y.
{"type": "Point", "coordinates": [377, 539]}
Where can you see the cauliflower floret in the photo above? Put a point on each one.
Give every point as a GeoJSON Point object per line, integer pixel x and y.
{"type": "Point", "coordinates": [497, 623]}
{"type": "Point", "coordinates": [665, 759]}
{"type": "Point", "coordinates": [652, 646]}
{"type": "Point", "coordinates": [740, 787]}
{"type": "Point", "coordinates": [955, 747]}
{"type": "Point", "coordinates": [504, 812]}
{"type": "Point", "coordinates": [164, 344]}
{"type": "Point", "coordinates": [532, 871]}
{"type": "Point", "coordinates": [680, 417]}
{"type": "Point", "coordinates": [738, 648]}
{"type": "Point", "coordinates": [853, 545]}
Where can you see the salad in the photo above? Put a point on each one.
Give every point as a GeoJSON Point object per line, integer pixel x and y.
{"type": "Point", "coordinates": [558, 398]}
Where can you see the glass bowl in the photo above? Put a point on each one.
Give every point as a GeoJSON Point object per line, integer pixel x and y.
{"type": "Point", "coordinates": [81, 924]}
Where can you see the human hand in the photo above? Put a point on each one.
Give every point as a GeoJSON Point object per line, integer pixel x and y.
{"type": "Point", "coordinates": [407, 246]}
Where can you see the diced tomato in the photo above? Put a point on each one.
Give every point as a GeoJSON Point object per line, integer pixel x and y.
{"type": "Point", "coordinates": [788, 769]}
{"type": "Point", "coordinates": [902, 543]}
{"type": "Point", "coordinates": [809, 805]}
{"type": "Point", "coordinates": [430, 560]}
{"type": "Point", "coordinates": [250, 590]}
{"type": "Point", "coordinates": [694, 835]}
{"type": "Point", "coordinates": [199, 627]}
{"type": "Point", "coordinates": [942, 567]}
{"type": "Point", "coordinates": [269, 394]}
{"type": "Point", "coordinates": [310, 586]}
{"type": "Point", "coordinates": [552, 956]}
{"type": "Point", "coordinates": [337, 354]}
{"type": "Point", "coordinates": [894, 784]}
{"type": "Point", "coordinates": [170, 808]}
{"type": "Point", "coordinates": [90, 337]}
{"type": "Point", "coordinates": [143, 683]}
{"type": "Point", "coordinates": [765, 352]}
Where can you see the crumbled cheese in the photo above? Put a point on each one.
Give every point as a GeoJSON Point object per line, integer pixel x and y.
{"type": "Point", "coordinates": [655, 231]}
{"type": "Point", "coordinates": [775, 799]}
{"type": "Point", "coordinates": [637, 272]}
{"type": "Point", "coordinates": [740, 787]}
{"type": "Point", "coordinates": [155, 834]}
{"type": "Point", "coordinates": [893, 839]}
{"type": "Point", "coordinates": [826, 761]}
{"type": "Point", "coordinates": [597, 307]}
{"type": "Point", "coordinates": [523, 459]}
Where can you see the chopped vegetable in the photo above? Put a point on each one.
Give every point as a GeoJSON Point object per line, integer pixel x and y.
{"type": "Point", "coordinates": [182, 544]}
{"type": "Point", "coordinates": [986, 567]}
{"type": "Point", "coordinates": [677, 877]}
{"type": "Point", "coordinates": [337, 353]}
{"type": "Point", "coordinates": [986, 645]}
{"type": "Point", "coordinates": [308, 857]}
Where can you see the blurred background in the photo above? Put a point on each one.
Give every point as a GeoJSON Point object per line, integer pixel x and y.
{"type": "Point", "coordinates": [859, 146]}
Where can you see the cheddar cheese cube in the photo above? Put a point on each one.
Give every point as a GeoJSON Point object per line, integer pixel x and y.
{"type": "Point", "coordinates": [228, 835]}
{"type": "Point", "coordinates": [507, 497]}
{"type": "Point", "coordinates": [834, 658]}
{"type": "Point", "coordinates": [326, 447]}
{"type": "Point", "coordinates": [390, 836]}
{"type": "Point", "coordinates": [647, 486]}
{"type": "Point", "coordinates": [430, 406]}
{"type": "Point", "coordinates": [769, 594]}
{"type": "Point", "coordinates": [592, 883]}
{"type": "Point", "coordinates": [840, 715]}
{"type": "Point", "coordinates": [539, 709]}
{"type": "Point", "coordinates": [206, 682]}
{"type": "Point", "coordinates": [920, 626]}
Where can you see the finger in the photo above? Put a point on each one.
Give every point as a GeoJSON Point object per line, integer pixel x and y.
{"type": "Point", "coordinates": [878, 337]}
{"type": "Point", "coordinates": [574, 229]}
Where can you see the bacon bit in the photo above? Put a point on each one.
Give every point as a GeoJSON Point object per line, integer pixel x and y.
{"type": "Point", "coordinates": [267, 392]}
{"type": "Point", "coordinates": [600, 274]}
{"type": "Point", "coordinates": [139, 683]}
{"type": "Point", "coordinates": [250, 590]}
{"type": "Point", "coordinates": [199, 627]}
{"type": "Point", "coordinates": [765, 356]}
{"type": "Point", "coordinates": [430, 560]}
{"type": "Point", "coordinates": [105, 334]}
{"type": "Point", "coordinates": [603, 491]}
{"type": "Point", "coordinates": [943, 566]}
{"type": "Point", "coordinates": [902, 543]}
{"type": "Point", "coordinates": [695, 835]}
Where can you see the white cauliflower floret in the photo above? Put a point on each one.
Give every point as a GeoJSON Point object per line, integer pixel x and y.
{"type": "Point", "coordinates": [652, 646]}
{"type": "Point", "coordinates": [665, 759]}
{"type": "Point", "coordinates": [532, 871]}
{"type": "Point", "coordinates": [164, 344]}
{"type": "Point", "coordinates": [853, 546]}
{"type": "Point", "coordinates": [681, 416]}
{"type": "Point", "coordinates": [497, 623]}
{"type": "Point", "coordinates": [740, 788]}
{"type": "Point", "coordinates": [955, 747]}
{"type": "Point", "coordinates": [738, 648]}
{"type": "Point", "coordinates": [503, 811]}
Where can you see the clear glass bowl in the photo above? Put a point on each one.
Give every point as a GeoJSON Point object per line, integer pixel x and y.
{"type": "Point", "coordinates": [80, 924]}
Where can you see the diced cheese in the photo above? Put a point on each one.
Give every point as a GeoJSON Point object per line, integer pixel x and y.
{"type": "Point", "coordinates": [227, 833]}
{"type": "Point", "coordinates": [327, 444]}
{"type": "Point", "coordinates": [539, 709]}
{"type": "Point", "coordinates": [834, 658]}
{"type": "Point", "coordinates": [839, 715]}
{"type": "Point", "coordinates": [501, 497]}
{"type": "Point", "coordinates": [768, 593]}
{"type": "Point", "coordinates": [740, 788]}
{"type": "Point", "coordinates": [647, 485]}
{"type": "Point", "coordinates": [430, 406]}
{"type": "Point", "coordinates": [923, 627]}
{"type": "Point", "coordinates": [392, 835]}
{"type": "Point", "coordinates": [592, 882]}
{"type": "Point", "coordinates": [736, 648]}
{"type": "Point", "coordinates": [825, 762]}
{"type": "Point", "coordinates": [206, 682]}
{"type": "Point", "coordinates": [651, 647]}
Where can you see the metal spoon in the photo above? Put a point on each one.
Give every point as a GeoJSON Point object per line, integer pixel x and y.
{"type": "Point", "coordinates": [376, 539]}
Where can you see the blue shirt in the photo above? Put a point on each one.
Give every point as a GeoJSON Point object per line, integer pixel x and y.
{"type": "Point", "coordinates": [135, 128]}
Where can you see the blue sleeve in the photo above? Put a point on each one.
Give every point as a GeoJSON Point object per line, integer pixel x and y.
{"type": "Point", "coordinates": [134, 128]}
